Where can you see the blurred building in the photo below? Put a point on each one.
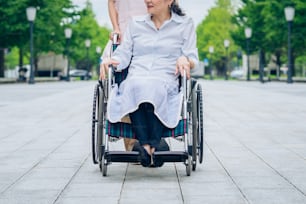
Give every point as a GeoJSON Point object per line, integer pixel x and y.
{"type": "Point", "coordinates": [52, 65]}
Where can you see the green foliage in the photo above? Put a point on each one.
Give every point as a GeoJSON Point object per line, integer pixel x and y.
{"type": "Point", "coordinates": [49, 29]}
{"type": "Point", "coordinates": [13, 23]}
{"type": "Point", "coordinates": [249, 16]}
{"type": "Point", "coordinates": [269, 26]}
{"type": "Point", "coordinates": [12, 58]}
{"type": "Point", "coordinates": [52, 17]}
{"type": "Point", "coordinates": [87, 28]}
{"type": "Point", "coordinates": [213, 30]}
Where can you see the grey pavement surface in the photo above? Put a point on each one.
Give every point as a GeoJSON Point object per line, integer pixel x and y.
{"type": "Point", "coordinates": [255, 149]}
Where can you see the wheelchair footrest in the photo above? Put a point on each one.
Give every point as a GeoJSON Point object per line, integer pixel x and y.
{"type": "Point", "coordinates": [122, 156]}
{"type": "Point", "coordinates": [171, 156]}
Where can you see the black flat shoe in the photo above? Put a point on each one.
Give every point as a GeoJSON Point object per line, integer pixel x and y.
{"type": "Point", "coordinates": [157, 162]}
{"type": "Point", "coordinates": [145, 158]}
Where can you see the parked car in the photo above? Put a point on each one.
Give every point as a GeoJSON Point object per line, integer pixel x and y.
{"type": "Point", "coordinates": [81, 73]}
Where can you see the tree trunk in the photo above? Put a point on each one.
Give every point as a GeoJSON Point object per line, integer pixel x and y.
{"type": "Point", "coordinates": [293, 64]}
{"type": "Point", "coordinates": [20, 58]}
{"type": "Point", "coordinates": [278, 63]}
{"type": "Point", "coordinates": [261, 65]}
{"type": "Point", "coordinates": [1, 62]}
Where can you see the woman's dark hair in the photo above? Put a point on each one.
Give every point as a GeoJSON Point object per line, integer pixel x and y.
{"type": "Point", "coordinates": [176, 9]}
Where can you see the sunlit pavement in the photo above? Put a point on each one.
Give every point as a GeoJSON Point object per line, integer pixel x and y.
{"type": "Point", "coordinates": [255, 149]}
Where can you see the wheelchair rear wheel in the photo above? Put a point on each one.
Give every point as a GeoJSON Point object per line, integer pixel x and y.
{"type": "Point", "coordinates": [200, 132]}
{"type": "Point", "coordinates": [98, 121]}
{"type": "Point", "coordinates": [194, 133]}
{"type": "Point", "coordinates": [197, 125]}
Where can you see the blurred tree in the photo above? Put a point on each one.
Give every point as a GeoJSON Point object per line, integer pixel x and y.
{"type": "Point", "coordinates": [276, 30]}
{"type": "Point", "coordinates": [213, 30]}
{"type": "Point", "coordinates": [52, 18]}
{"type": "Point", "coordinates": [87, 28]}
{"type": "Point", "coordinates": [12, 58]}
{"type": "Point", "coordinates": [48, 27]}
{"type": "Point", "coordinates": [268, 22]}
{"type": "Point", "coordinates": [14, 26]}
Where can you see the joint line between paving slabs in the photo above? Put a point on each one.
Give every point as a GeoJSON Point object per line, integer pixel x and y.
{"type": "Point", "coordinates": [70, 180]}
{"type": "Point", "coordinates": [227, 172]}
{"type": "Point", "coordinates": [123, 182]}
{"type": "Point", "coordinates": [179, 182]}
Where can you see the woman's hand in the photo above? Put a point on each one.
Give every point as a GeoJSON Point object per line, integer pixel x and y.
{"type": "Point", "coordinates": [182, 64]}
{"type": "Point", "coordinates": [105, 65]}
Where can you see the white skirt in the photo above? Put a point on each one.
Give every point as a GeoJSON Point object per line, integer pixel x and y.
{"type": "Point", "coordinates": [164, 96]}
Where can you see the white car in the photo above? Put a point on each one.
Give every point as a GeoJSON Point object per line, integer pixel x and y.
{"type": "Point", "coordinates": [83, 74]}
{"type": "Point", "coordinates": [237, 73]}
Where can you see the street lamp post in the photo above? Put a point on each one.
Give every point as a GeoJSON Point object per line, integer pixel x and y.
{"type": "Point", "coordinates": [289, 14]}
{"type": "Point", "coordinates": [248, 34]}
{"type": "Point", "coordinates": [226, 45]}
{"type": "Point", "coordinates": [98, 51]}
{"type": "Point", "coordinates": [211, 51]}
{"type": "Point", "coordinates": [31, 14]}
{"type": "Point", "coordinates": [87, 44]}
{"type": "Point", "coordinates": [68, 33]}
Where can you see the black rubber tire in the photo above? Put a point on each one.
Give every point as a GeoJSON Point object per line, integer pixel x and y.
{"type": "Point", "coordinates": [94, 125]}
{"type": "Point", "coordinates": [104, 166]}
{"type": "Point", "coordinates": [188, 165]}
{"type": "Point", "coordinates": [200, 109]}
{"type": "Point", "coordinates": [98, 117]}
{"type": "Point", "coordinates": [194, 121]}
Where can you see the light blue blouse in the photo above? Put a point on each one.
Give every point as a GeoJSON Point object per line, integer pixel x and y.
{"type": "Point", "coordinates": [151, 55]}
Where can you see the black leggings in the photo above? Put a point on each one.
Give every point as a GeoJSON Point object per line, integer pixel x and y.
{"type": "Point", "coordinates": [146, 125]}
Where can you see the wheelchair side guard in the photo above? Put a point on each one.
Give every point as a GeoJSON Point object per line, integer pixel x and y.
{"type": "Point", "coordinates": [193, 83]}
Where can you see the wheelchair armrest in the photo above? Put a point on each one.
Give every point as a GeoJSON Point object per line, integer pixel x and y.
{"type": "Point", "coordinates": [183, 80]}
{"type": "Point", "coordinates": [193, 83]}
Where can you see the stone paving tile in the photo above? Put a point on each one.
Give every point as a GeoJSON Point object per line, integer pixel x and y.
{"type": "Point", "coordinates": [30, 194]}
{"type": "Point", "coordinates": [25, 200]}
{"type": "Point", "coordinates": [93, 190]}
{"type": "Point", "coordinates": [89, 200]}
{"type": "Point", "coordinates": [152, 198]}
{"type": "Point", "coordinates": [274, 196]}
{"type": "Point", "coordinates": [210, 189]}
{"type": "Point", "coordinates": [219, 199]}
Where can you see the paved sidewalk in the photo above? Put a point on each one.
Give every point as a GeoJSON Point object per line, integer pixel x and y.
{"type": "Point", "coordinates": [255, 149]}
{"type": "Point", "coordinates": [37, 80]}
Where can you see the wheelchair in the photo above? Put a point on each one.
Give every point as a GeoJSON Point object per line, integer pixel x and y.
{"type": "Point", "coordinates": [189, 130]}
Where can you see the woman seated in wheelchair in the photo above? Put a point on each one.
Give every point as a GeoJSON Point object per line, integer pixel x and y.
{"type": "Point", "coordinates": [157, 48]}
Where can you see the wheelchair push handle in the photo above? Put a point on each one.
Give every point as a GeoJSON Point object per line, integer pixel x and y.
{"type": "Point", "coordinates": [115, 41]}
{"type": "Point", "coordinates": [115, 44]}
